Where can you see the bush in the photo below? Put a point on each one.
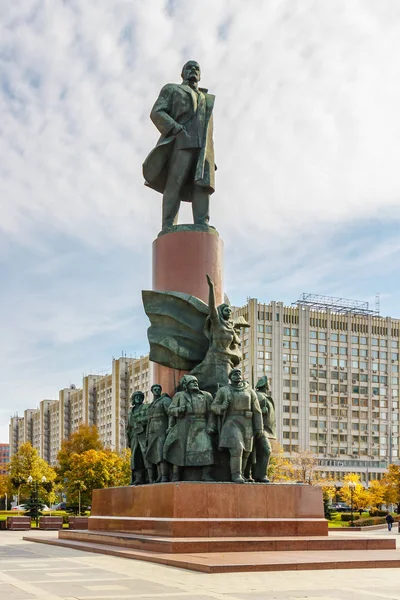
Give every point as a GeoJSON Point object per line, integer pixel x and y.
{"type": "Point", "coordinates": [373, 521]}
{"type": "Point", "coordinates": [345, 517]}
{"type": "Point", "coordinates": [375, 512]}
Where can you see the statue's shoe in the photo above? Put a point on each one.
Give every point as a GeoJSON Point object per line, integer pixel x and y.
{"type": "Point", "coordinates": [263, 480]}
{"type": "Point", "coordinates": [237, 478]}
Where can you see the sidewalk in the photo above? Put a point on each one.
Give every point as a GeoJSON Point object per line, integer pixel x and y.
{"type": "Point", "coordinates": [36, 571]}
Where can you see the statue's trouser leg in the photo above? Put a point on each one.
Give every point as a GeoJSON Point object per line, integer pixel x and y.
{"type": "Point", "coordinates": [201, 205]}
{"type": "Point", "coordinates": [139, 476]}
{"type": "Point", "coordinates": [150, 473]}
{"type": "Point", "coordinates": [247, 469]}
{"type": "Point", "coordinates": [263, 454]}
{"type": "Point", "coordinates": [132, 477]}
{"type": "Point", "coordinates": [236, 468]}
{"type": "Point", "coordinates": [176, 473]}
{"type": "Point", "coordinates": [163, 471]}
{"type": "Point", "coordinates": [206, 473]}
{"type": "Point", "coordinates": [179, 167]}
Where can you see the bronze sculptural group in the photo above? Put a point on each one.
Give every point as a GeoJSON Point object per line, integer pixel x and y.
{"type": "Point", "coordinates": [189, 430]}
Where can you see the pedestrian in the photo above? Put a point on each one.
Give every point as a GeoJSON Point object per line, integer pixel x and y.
{"type": "Point", "coordinates": [389, 521]}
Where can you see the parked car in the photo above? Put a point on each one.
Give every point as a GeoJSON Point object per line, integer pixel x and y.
{"type": "Point", "coordinates": [43, 507]}
{"type": "Point", "coordinates": [60, 506]}
{"type": "Point", "coordinates": [19, 507]}
{"type": "Point", "coordinates": [340, 507]}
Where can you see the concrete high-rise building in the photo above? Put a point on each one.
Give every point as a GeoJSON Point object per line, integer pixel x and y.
{"type": "Point", "coordinates": [4, 458]}
{"type": "Point", "coordinates": [103, 400]}
{"type": "Point", "coordinates": [334, 371]}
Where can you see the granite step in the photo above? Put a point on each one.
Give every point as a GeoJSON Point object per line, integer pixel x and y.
{"type": "Point", "coordinates": [227, 544]}
{"type": "Point", "coordinates": [231, 562]}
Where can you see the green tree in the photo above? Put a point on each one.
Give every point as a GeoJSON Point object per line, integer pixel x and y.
{"type": "Point", "coordinates": [94, 469]}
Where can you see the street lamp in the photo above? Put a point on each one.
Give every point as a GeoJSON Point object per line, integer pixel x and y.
{"type": "Point", "coordinates": [352, 487]}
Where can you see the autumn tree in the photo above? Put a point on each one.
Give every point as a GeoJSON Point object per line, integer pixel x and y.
{"type": "Point", "coordinates": [377, 492]}
{"type": "Point", "coordinates": [5, 488]}
{"type": "Point", "coordinates": [390, 483]}
{"type": "Point", "coordinates": [95, 469]}
{"type": "Point", "coordinates": [305, 465]}
{"type": "Point", "coordinates": [86, 438]}
{"type": "Point", "coordinates": [359, 496]}
{"type": "Point", "coordinates": [27, 463]}
{"type": "Point", "coordinates": [280, 468]}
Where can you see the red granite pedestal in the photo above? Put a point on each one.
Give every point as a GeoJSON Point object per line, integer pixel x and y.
{"type": "Point", "coordinates": [222, 527]}
{"type": "Point", "coordinates": [204, 510]}
{"type": "Point", "coordinates": [182, 257]}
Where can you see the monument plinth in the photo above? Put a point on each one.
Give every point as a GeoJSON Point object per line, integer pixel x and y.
{"type": "Point", "coordinates": [209, 510]}
{"type": "Point", "coordinates": [182, 257]}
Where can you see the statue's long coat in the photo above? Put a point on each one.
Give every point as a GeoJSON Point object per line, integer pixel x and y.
{"type": "Point", "coordinates": [136, 435]}
{"type": "Point", "coordinates": [241, 419]}
{"type": "Point", "coordinates": [175, 104]}
{"type": "Point", "coordinates": [187, 443]}
{"type": "Point", "coordinates": [157, 429]}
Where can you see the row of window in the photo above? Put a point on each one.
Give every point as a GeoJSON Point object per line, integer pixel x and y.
{"type": "Point", "coordinates": [355, 339]}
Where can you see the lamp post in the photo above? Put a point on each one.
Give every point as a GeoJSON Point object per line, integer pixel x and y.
{"type": "Point", "coordinates": [352, 487]}
{"type": "Point", "coordinates": [35, 497]}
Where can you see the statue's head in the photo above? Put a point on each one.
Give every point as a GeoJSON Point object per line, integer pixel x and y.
{"type": "Point", "coordinates": [262, 383]}
{"type": "Point", "coordinates": [156, 390]}
{"type": "Point", "coordinates": [190, 383]}
{"type": "Point", "coordinates": [137, 398]}
{"type": "Point", "coordinates": [225, 311]}
{"type": "Point", "coordinates": [235, 376]}
{"type": "Point", "coordinates": [191, 71]}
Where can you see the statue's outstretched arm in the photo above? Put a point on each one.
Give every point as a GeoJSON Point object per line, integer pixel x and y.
{"type": "Point", "coordinates": [212, 308]}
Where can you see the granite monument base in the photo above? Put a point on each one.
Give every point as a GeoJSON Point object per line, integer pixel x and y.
{"type": "Point", "coordinates": [222, 527]}
{"type": "Point", "coordinates": [187, 509]}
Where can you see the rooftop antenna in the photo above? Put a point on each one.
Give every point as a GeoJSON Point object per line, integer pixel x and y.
{"type": "Point", "coordinates": [378, 304]}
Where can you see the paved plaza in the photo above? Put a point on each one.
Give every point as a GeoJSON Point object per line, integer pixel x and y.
{"type": "Point", "coordinates": [29, 570]}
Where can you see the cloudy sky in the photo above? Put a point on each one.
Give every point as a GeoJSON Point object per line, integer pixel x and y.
{"type": "Point", "coordinates": [307, 137]}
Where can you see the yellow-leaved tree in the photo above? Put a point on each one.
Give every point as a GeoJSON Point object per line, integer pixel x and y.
{"type": "Point", "coordinates": [358, 495]}
{"type": "Point", "coordinates": [391, 484]}
{"type": "Point", "coordinates": [94, 469]}
{"type": "Point", "coordinates": [25, 464]}
{"type": "Point", "coordinates": [86, 438]}
{"type": "Point", "coordinates": [377, 492]}
{"type": "Point", "coordinates": [280, 468]}
{"type": "Point", "coordinates": [5, 489]}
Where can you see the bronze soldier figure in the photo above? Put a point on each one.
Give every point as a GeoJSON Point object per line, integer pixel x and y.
{"type": "Point", "coordinates": [136, 435]}
{"type": "Point", "coordinates": [181, 166]}
{"type": "Point", "coordinates": [191, 424]}
{"type": "Point", "coordinates": [241, 420]}
{"type": "Point", "coordinates": [259, 469]}
{"type": "Point", "coordinates": [155, 436]}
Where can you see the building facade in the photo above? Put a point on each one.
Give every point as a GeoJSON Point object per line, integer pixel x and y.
{"type": "Point", "coordinates": [334, 373]}
{"type": "Point", "coordinates": [103, 400]}
{"type": "Point", "coordinates": [4, 458]}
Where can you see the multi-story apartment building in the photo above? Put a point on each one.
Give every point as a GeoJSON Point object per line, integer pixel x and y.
{"type": "Point", "coordinates": [4, 458]}
{"type": "Point", "coordinates": [334, 370]}
{"type": "Point", "coordinates": [103, 400]}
